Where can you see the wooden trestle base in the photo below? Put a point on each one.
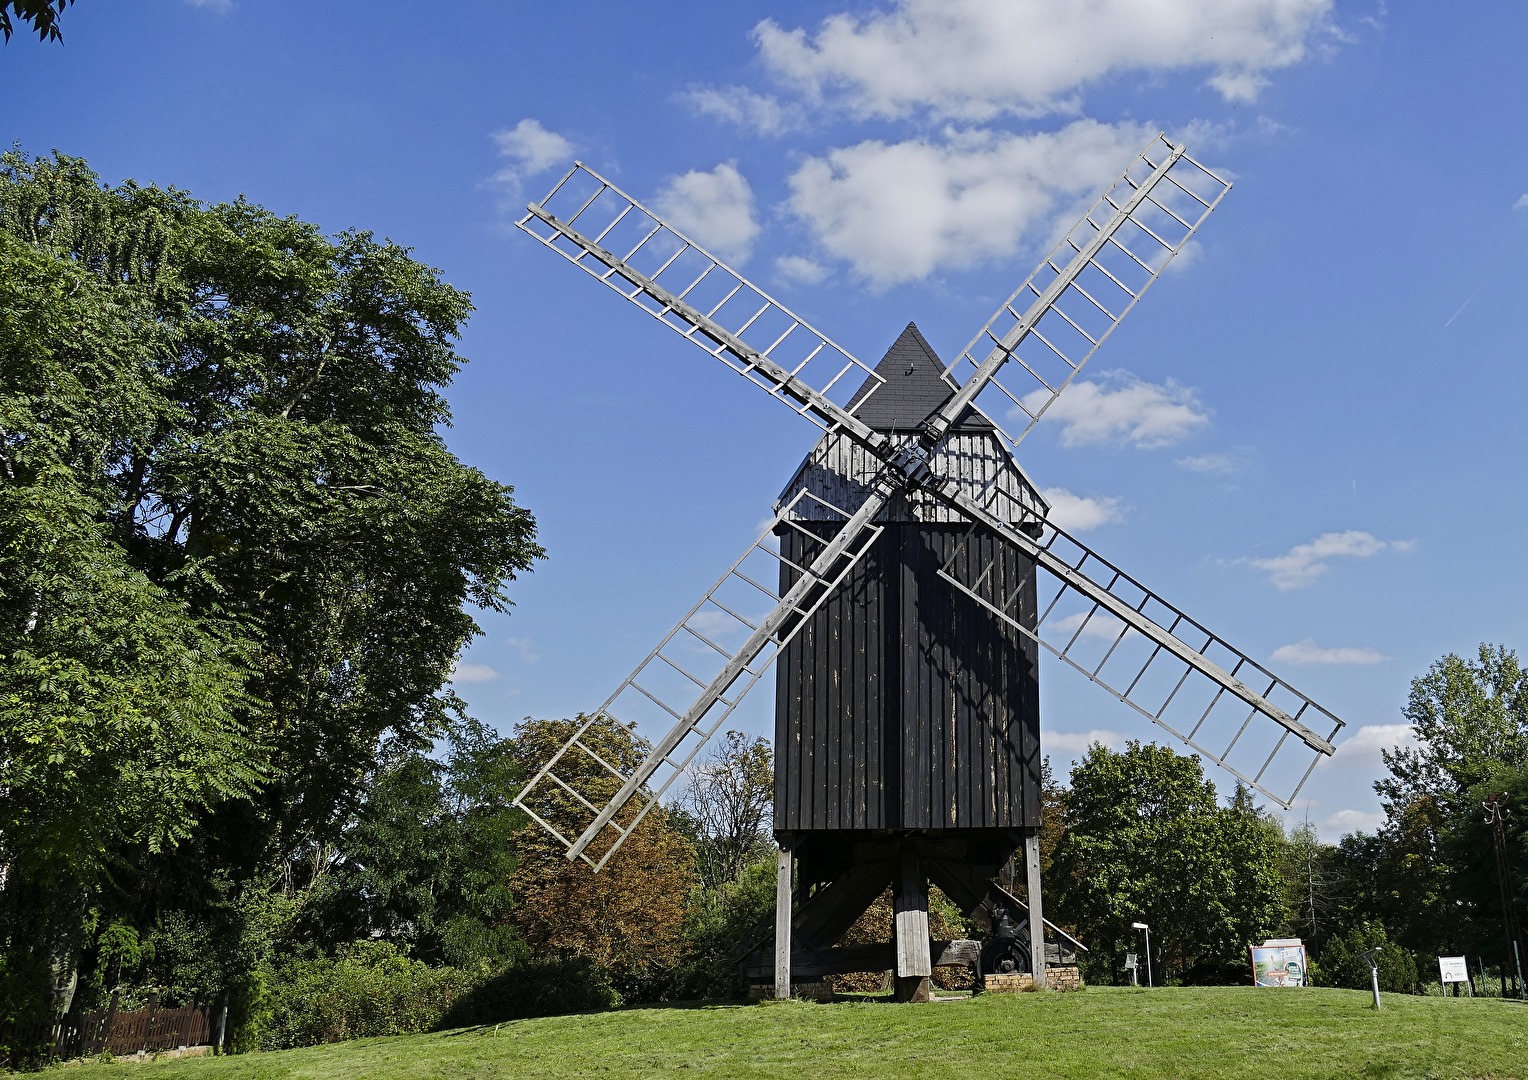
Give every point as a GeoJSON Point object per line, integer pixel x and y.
{"type": "Point", "coordinates": [827, 880]}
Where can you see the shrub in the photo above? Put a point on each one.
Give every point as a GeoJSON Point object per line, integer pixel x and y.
{"type": "Point", "coordinates": [548, 988]}
{"type": "Point", "coordinates": [1342, 966]}
{"type": "Point", "coordinates": [368, 988]}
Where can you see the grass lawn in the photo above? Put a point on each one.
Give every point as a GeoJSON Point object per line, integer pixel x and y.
{"type": "Point", "coordinates": [1105, 1031]}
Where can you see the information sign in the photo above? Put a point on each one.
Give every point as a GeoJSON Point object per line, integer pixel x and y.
{"type": "Point", "coordinates": [1278, 965]}
{"type": "Point", "coordinates": [1453, 970]}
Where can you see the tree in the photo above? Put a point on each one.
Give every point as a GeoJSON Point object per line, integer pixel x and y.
{"type": "Point", "coordinates": [233, 529]}
{"type": "Point", "coordinates": [1470, 717]}
{"type": "Point", "coordinates": [122, 714]}
{"type": "Point", "coordinates": [629, 918]}
{"type": "Point", "coordinates": [426, 859]}
{"type": "Point", "coordinates": [1145, 841]}
{"type": "Point", "coordinates": [727, 808]}
{"type": "Point", "coordinates": [41, 14]}
{"type": "Point", "coordinates": [1310, 875]}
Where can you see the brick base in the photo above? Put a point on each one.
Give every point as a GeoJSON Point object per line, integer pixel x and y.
{"type": "Point", "coordinates": [1056, 978]}
{"type": "Point", "coordinates": [814, 990]}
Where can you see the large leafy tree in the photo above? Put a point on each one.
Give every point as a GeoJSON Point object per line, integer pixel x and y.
{"type": "Point", "coordinates": [1146, 841]}
{"type": "Point", "coordinates": [1430, 875]}
{"type": "Point", "coordinates": [237, 543]}
{"type": "Point", "coordinates": [629, 919]}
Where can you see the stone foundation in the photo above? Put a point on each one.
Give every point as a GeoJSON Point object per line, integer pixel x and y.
{"type": "Point", "coordinates": [1056, 978]}
{"type": "Point", "coordinates": [813, 990]}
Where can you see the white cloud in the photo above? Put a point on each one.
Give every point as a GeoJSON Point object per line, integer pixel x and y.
{"type": "Point", "coordinates": [801, 270]}
{"type": "Point", "coordinates": [1118, 407]}
{"type": "Point", "coordinates": [1303, 564]}
{"type": "Point", "coordinates": [714, 208]}
{"type": "Point", "coordinates": [1223, 463]}
{"type": "Point", "coordinates": [222, 7]}
{"type": "Point", "coordinates": [975, 59]}
{"type": "Point", "coordinates": [1308, 652]}
{"type": "Point", "coordinates": [1360, 750]}
{"type": "Point", "coordinates": [1521, 204]}
{"type": "Point", "coordinates": [527, 149]}
{"type": "Point", "coordinates": [762, 113]}
{"type": "Point", "coordinates": [525, 647]}
{"type": "Point", "coordinates": [1349, 821]}
{"type": "Point", "coordinates": [1076, 743]}
{"type": "Point", "coordinates": [1100, 627]}
{"type": "Point", "coordinates": [1078, 513]}
{"type": "Point", "coordinates": [473, 673]}
{"type": "Point", "coordinates": [897, 212]}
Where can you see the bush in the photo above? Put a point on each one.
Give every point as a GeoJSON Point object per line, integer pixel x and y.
{"type": "Point", "coordinates": [369, 988]}
{"type": "Point", "coordinates": [719, 923]}
{"type": "Point", "coordinates": [1342, 966]}
{"type": "Point", "coordinates": [550, 988]}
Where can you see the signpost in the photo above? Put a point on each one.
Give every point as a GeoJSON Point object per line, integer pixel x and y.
{"type": "Point", "coordinates": [1143, 926]}
{"type": "Point", "coordinates": [1279, 962]}
{"type": "Point", "coordinates": [1130, 965]}
{"type": "Point", "coordinates": [1453, 969]}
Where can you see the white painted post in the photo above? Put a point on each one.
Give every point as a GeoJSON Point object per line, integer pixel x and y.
{"type": "Point", "coordinates": [784, 868]}
{"type": "Point", "coordinates": [1036, 909]}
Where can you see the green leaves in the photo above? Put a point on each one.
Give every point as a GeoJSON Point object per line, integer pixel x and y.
{"type": "Point", "coordinates": [1146, 841]}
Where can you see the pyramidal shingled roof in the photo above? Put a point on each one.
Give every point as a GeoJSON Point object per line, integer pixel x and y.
{"type": "Point", "coordinates": [914, 388]}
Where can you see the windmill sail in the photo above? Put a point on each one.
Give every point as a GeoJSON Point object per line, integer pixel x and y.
{"type": "Point", "coordinates": [1069, 305]}
{"type": "Point", "coordinates": [1153, 657]}
{"type": "Point", "coordinates": [605, 232]}
{"type": "Point", "coordinates": [700, 671]}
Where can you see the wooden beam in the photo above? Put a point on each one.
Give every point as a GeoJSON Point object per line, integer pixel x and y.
{"type": "Point", "coordinates": [1036, 912]}
{"type": "Point", "coordinates": [783, 874]}
{"type": "Point", "coordinates": [874, 956]}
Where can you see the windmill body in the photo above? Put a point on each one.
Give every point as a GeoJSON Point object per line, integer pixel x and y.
{"type": "Point", "coordinates": [911, 577]}
{"type": "Point", "coordinates": [907, 741]}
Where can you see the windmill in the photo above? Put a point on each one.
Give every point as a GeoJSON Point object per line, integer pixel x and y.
{"type": "Point", "coordinates": [905, 586]}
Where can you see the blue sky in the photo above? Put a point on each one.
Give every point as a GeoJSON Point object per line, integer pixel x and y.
{"type": "Point", "coordinates": [1309, 435]}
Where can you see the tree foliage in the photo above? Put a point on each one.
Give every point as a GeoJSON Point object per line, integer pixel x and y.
{"type": "Point", "coordinates": [1146, 841]}
{"type": "Point", "coordinates": [41, 15]}
{"type": "Point", "coordinates": [236, 556]}
{"type": "Point", "coordinates": [727, 808]}
{"type": "Point", "coordinates": [629, 918]}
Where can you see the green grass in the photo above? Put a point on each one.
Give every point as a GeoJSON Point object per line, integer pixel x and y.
{"type": "Point", "coordinates": [1221, 1031]}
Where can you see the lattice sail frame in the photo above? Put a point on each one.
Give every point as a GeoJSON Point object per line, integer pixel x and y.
{"type": "Point", "coordinates": [691, 657]}
{"type": "Point", "coordinates": [1122, 244]}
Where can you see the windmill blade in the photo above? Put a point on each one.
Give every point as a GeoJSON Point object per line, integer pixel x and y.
{"type": "Point", "coordinates": [604, 231]}
{"type": "Point", "coordinates": [700, 671]}
{"type": "Point", "coordinates": [1145, 652]}
{"type": "Point", "coordinates": [1056, 320]}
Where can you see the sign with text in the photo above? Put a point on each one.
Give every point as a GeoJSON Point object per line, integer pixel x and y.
{"type": "Point", "coordinates": [1452, 969]}
{"type": "Point", "coordinates": [1278, 965]}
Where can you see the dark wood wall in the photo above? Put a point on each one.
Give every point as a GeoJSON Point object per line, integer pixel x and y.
{"type": "Point", "coordinates": [903, 704]}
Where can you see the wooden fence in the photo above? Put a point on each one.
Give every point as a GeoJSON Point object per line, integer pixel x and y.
{"type": "Point", "coordinates": [111, 1030]}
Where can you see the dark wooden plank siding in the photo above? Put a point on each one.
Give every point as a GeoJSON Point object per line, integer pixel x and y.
{"type": "Point", "coordinates": [905, 705]}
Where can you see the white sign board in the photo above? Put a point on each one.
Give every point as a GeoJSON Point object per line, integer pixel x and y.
{"type": "Point", "coordinates": [1129, 960]}
{"type": "Point", "coordinates": [1452, 969]}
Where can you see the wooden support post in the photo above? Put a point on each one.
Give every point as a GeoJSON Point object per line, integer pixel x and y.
{"type": "Point", "coordinates": [784, 868]}
{"type": "Point", "coordinates": [1036, 910]}
{"type": "Point", "coordinates": [910, 905]}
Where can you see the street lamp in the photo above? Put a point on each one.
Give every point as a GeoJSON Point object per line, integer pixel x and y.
{"type": "Point", "coordinates": [1143, 926]}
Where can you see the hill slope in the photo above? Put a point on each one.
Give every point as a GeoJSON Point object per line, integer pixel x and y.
{"type": "Point", "coordinates": [1222, 1031]}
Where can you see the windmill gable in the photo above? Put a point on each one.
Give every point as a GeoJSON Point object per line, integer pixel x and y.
{"type": "Point", "coordinates": [913, 385]}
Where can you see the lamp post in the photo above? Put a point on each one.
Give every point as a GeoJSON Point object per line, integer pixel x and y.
{"type": "Point", "coordinates": [1143, 926]}
{"type": "Point", "coordinates": [1371, 957]}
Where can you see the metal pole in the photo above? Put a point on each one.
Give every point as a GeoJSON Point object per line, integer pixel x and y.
{"type": "Point", "coordinates": [1149, 981]}
{"type": "Point", "coordinates": [1517, 958]}
{"type": "Point", "coordinates": [1374, 971]}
